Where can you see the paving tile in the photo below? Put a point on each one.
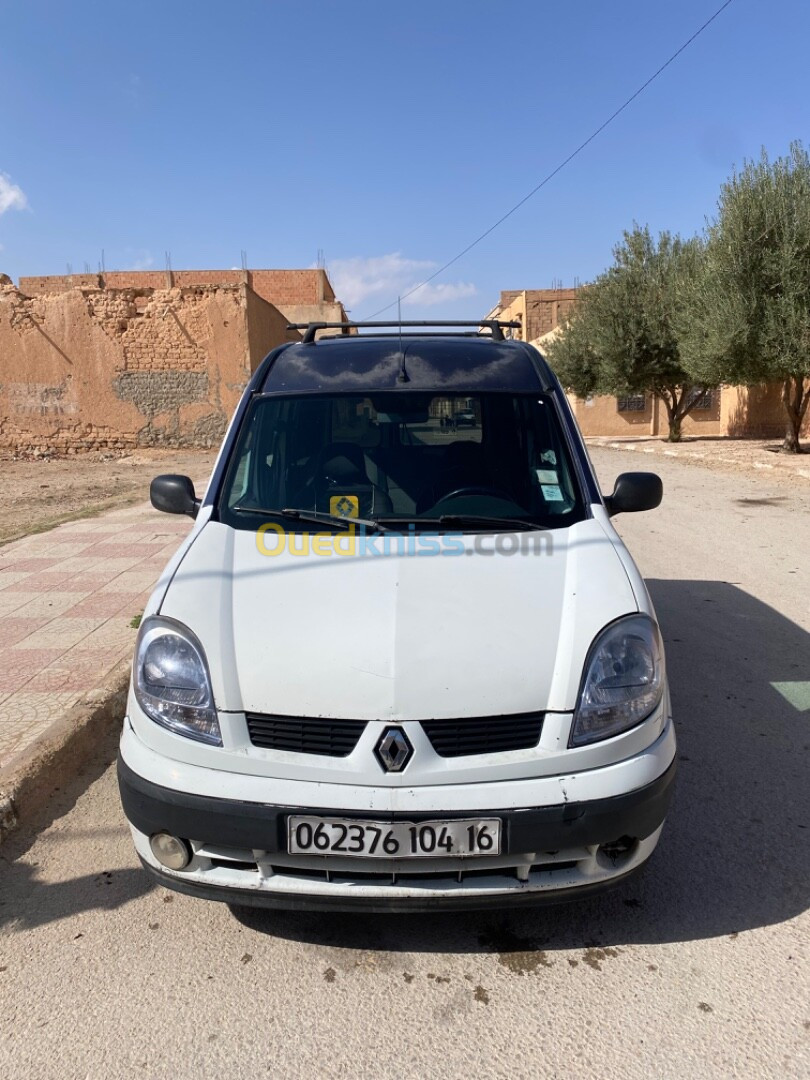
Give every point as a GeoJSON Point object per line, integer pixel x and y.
{"type": "Point", "coordinates": [106, 604]}
{"type": "Point", "coordinates": [13, 629]}
{"type": "Point", "coordinates": [80, 529]}
{"type": "Point", "coordinates": [88, 564]}
{"type": "Point", "coordinates": [151, 533]}
{"type": "Point", "coordinates": [157, 565]}
{"type": "Point", "coordinates": [32, 565]}
{"type": "Point", "coordinates": [35, 658]}
{"type": "Point", "coordinates": [132, 581]}
{"type": "Point", "coordinates": [67, 598]}
{"type": "Point", "coordinates": [48, 605]}
{"type": "Point", "coordinates": [18, 666]}
{"type": "Point", "coordinates": [78, 669]}
{"type": "Point", "coordinates": [46, 548]}
{"type": "Point", "coordinates": [136, 548]}
{"type": "Point", "coordinates": [11, 601]}
{"type": "Point", "coordinates": [24, 716]}
{"type": "Point", "coordinates": [39, 583]}
{"type": "Point", "coordinates": [9, 578]}
{"type": "Point", "coordinates": [87, 582]}
{"type": "Point", "coordinates": [114, 632]}
{"type": "Point", "coordinates": [63, 632]}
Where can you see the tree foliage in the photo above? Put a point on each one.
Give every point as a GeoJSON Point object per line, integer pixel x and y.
{"type": "Point", "coordinates": [623, 336]}
{"type": "Point", "coordinates": [746, 316]}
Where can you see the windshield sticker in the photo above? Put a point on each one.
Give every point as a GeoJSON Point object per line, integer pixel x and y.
{"type": "Point", "coordinates": [347, 506]}
{"type": "Point", "coordinates": [547, 476]}
{"type": "Point", "coordinates": [552, 493]}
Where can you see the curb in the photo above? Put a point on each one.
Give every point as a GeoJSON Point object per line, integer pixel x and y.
{"type": "Point", "coordinates": [30, 778]}
{"type": "Point", "coordinates": [693, 455]}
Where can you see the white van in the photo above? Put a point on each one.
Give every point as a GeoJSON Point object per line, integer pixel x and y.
{"type": "Point", "coordinates": [399, 664]}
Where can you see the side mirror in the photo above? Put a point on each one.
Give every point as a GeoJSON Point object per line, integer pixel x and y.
{"type": "Point", "coordinates": [635, 491]}
{"type": "Point", "coordinates": [174, 495]}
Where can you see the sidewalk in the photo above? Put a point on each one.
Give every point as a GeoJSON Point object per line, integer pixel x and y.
{"type": "Point", "coordinates": [68, 599]}
{"type": "Point", "coordinates": [748, 454]}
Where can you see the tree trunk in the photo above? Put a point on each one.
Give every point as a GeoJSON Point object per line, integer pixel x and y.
{"type": "Point", "coordinates": [678, 408]}
{"type": "Point", "coordinates": [795, 400]}
{"type": "Point", "coordinates": [670, 400]}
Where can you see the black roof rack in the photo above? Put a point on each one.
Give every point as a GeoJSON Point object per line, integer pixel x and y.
{"type": "Point", "coordinates": [310, 329]}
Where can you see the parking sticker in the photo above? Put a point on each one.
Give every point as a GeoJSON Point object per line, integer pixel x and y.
{"type": "Point", "coordinates": [347, 506]}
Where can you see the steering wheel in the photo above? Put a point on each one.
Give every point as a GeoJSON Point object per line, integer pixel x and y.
{"type": "Point", "coordinates": [493, 492]}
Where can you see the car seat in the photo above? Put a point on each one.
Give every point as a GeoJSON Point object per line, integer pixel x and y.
{"type": "Point", "coordinates": [342, 471]}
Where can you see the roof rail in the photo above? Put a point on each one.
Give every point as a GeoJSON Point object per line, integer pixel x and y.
{"type": "Point", "coordinates": [495, 326]}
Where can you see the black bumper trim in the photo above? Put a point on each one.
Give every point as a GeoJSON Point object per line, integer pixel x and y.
{"type": "Point", "coordinates": [459, 901]}
{"type": "Point", "coordinates": [152, 808]}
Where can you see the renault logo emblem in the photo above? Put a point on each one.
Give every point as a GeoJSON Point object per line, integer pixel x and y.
{"type": "Point", "coordinates": [393, 750]}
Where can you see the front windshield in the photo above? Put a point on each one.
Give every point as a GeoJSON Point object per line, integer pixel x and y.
{"type": "Point", "coordinates": [403, 455]}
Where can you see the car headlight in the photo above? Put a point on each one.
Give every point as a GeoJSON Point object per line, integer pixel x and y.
{"type": "Point", "coordinates": [624, 680]}
{"type": "Point", "coordinates": [171, 680]}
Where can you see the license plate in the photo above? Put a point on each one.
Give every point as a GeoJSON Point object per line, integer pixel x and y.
{"type": "Point", "coordinates": [387, 840]}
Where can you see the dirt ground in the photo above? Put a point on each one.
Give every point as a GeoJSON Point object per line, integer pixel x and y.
{"type": "Point", "coordinates": [735, 455]}
{"type": "Point", "coordinates": [36, 495]}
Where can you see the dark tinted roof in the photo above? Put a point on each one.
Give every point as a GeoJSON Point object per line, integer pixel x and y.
{"type": "Point", "coordinates": [432, 363]}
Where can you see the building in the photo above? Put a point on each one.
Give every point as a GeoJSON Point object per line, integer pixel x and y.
{"type": "Point", "coordinates": [538, 311]}
{"type": "Point", "coordinates": [141, 358]}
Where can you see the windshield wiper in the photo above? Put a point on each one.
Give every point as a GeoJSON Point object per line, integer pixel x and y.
{"type": "Point", "coordinates": [318, 517]}
{"type": "Point", "coordinates": [462, 520]}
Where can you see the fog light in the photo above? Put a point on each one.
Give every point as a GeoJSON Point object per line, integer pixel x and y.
{"type": "Point", "coordinates": [170, 851]}
{"type": "Point", "coordinates": [619, 849]}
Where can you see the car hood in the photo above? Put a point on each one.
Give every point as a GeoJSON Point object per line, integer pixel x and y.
{"type": "Point", "coordinates": [398, 636]}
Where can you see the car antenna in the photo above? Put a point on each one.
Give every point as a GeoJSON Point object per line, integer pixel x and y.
{"type": "Point", "coordinates": [403, 374]}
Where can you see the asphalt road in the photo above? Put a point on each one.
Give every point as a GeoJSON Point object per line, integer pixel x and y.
{"type": "Point", "coordinates": [698, 968]}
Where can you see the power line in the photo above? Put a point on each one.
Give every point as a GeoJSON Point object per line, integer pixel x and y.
{"type": "Point", "coordinates": [562, 164]}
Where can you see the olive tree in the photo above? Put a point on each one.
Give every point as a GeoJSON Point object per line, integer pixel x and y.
{"type": "Point", "coordinates": [749, 308]}
{"type": "Point", "coordinates": [621, 337]}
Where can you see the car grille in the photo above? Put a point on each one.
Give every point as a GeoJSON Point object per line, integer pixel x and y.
{"type": "Point", "coordinates": [342, 870]}
{"type": "Point", "coordinates": [305, 734]}
{"type": "Point", "coordinates": [331, 737]}
{"type": "Point", "coordinates": [483, 734]}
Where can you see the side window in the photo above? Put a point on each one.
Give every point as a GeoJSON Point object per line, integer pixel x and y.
{"type": "Point", "coordinates": [241, 478]}
{"type": "Point", "coordinates": [552, 481]}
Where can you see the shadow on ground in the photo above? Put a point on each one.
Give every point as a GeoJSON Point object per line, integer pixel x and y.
{"type": "Point", "coordinates": [25, 900]}
{"type": "Point", "coordinates": [735, 853]}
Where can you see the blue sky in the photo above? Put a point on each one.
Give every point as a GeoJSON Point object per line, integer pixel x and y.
{"type": "Point", "coordinates": [386, 136]}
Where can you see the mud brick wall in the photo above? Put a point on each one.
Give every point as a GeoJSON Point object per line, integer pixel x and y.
{"type": "Point", "coordinates": [278, 287]}
{"type": "Point", "coordinates": [111, 368]}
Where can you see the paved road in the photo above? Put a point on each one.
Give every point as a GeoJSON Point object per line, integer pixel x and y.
{"type": "Point", "coordinates": [700, 968]}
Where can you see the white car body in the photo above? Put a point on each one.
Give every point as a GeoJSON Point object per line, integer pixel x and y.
{"type": "Point", "coordinates": [389, 642]}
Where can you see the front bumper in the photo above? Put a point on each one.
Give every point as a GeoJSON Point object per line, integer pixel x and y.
{"type": "Point", "coordinates": [551, 852]}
